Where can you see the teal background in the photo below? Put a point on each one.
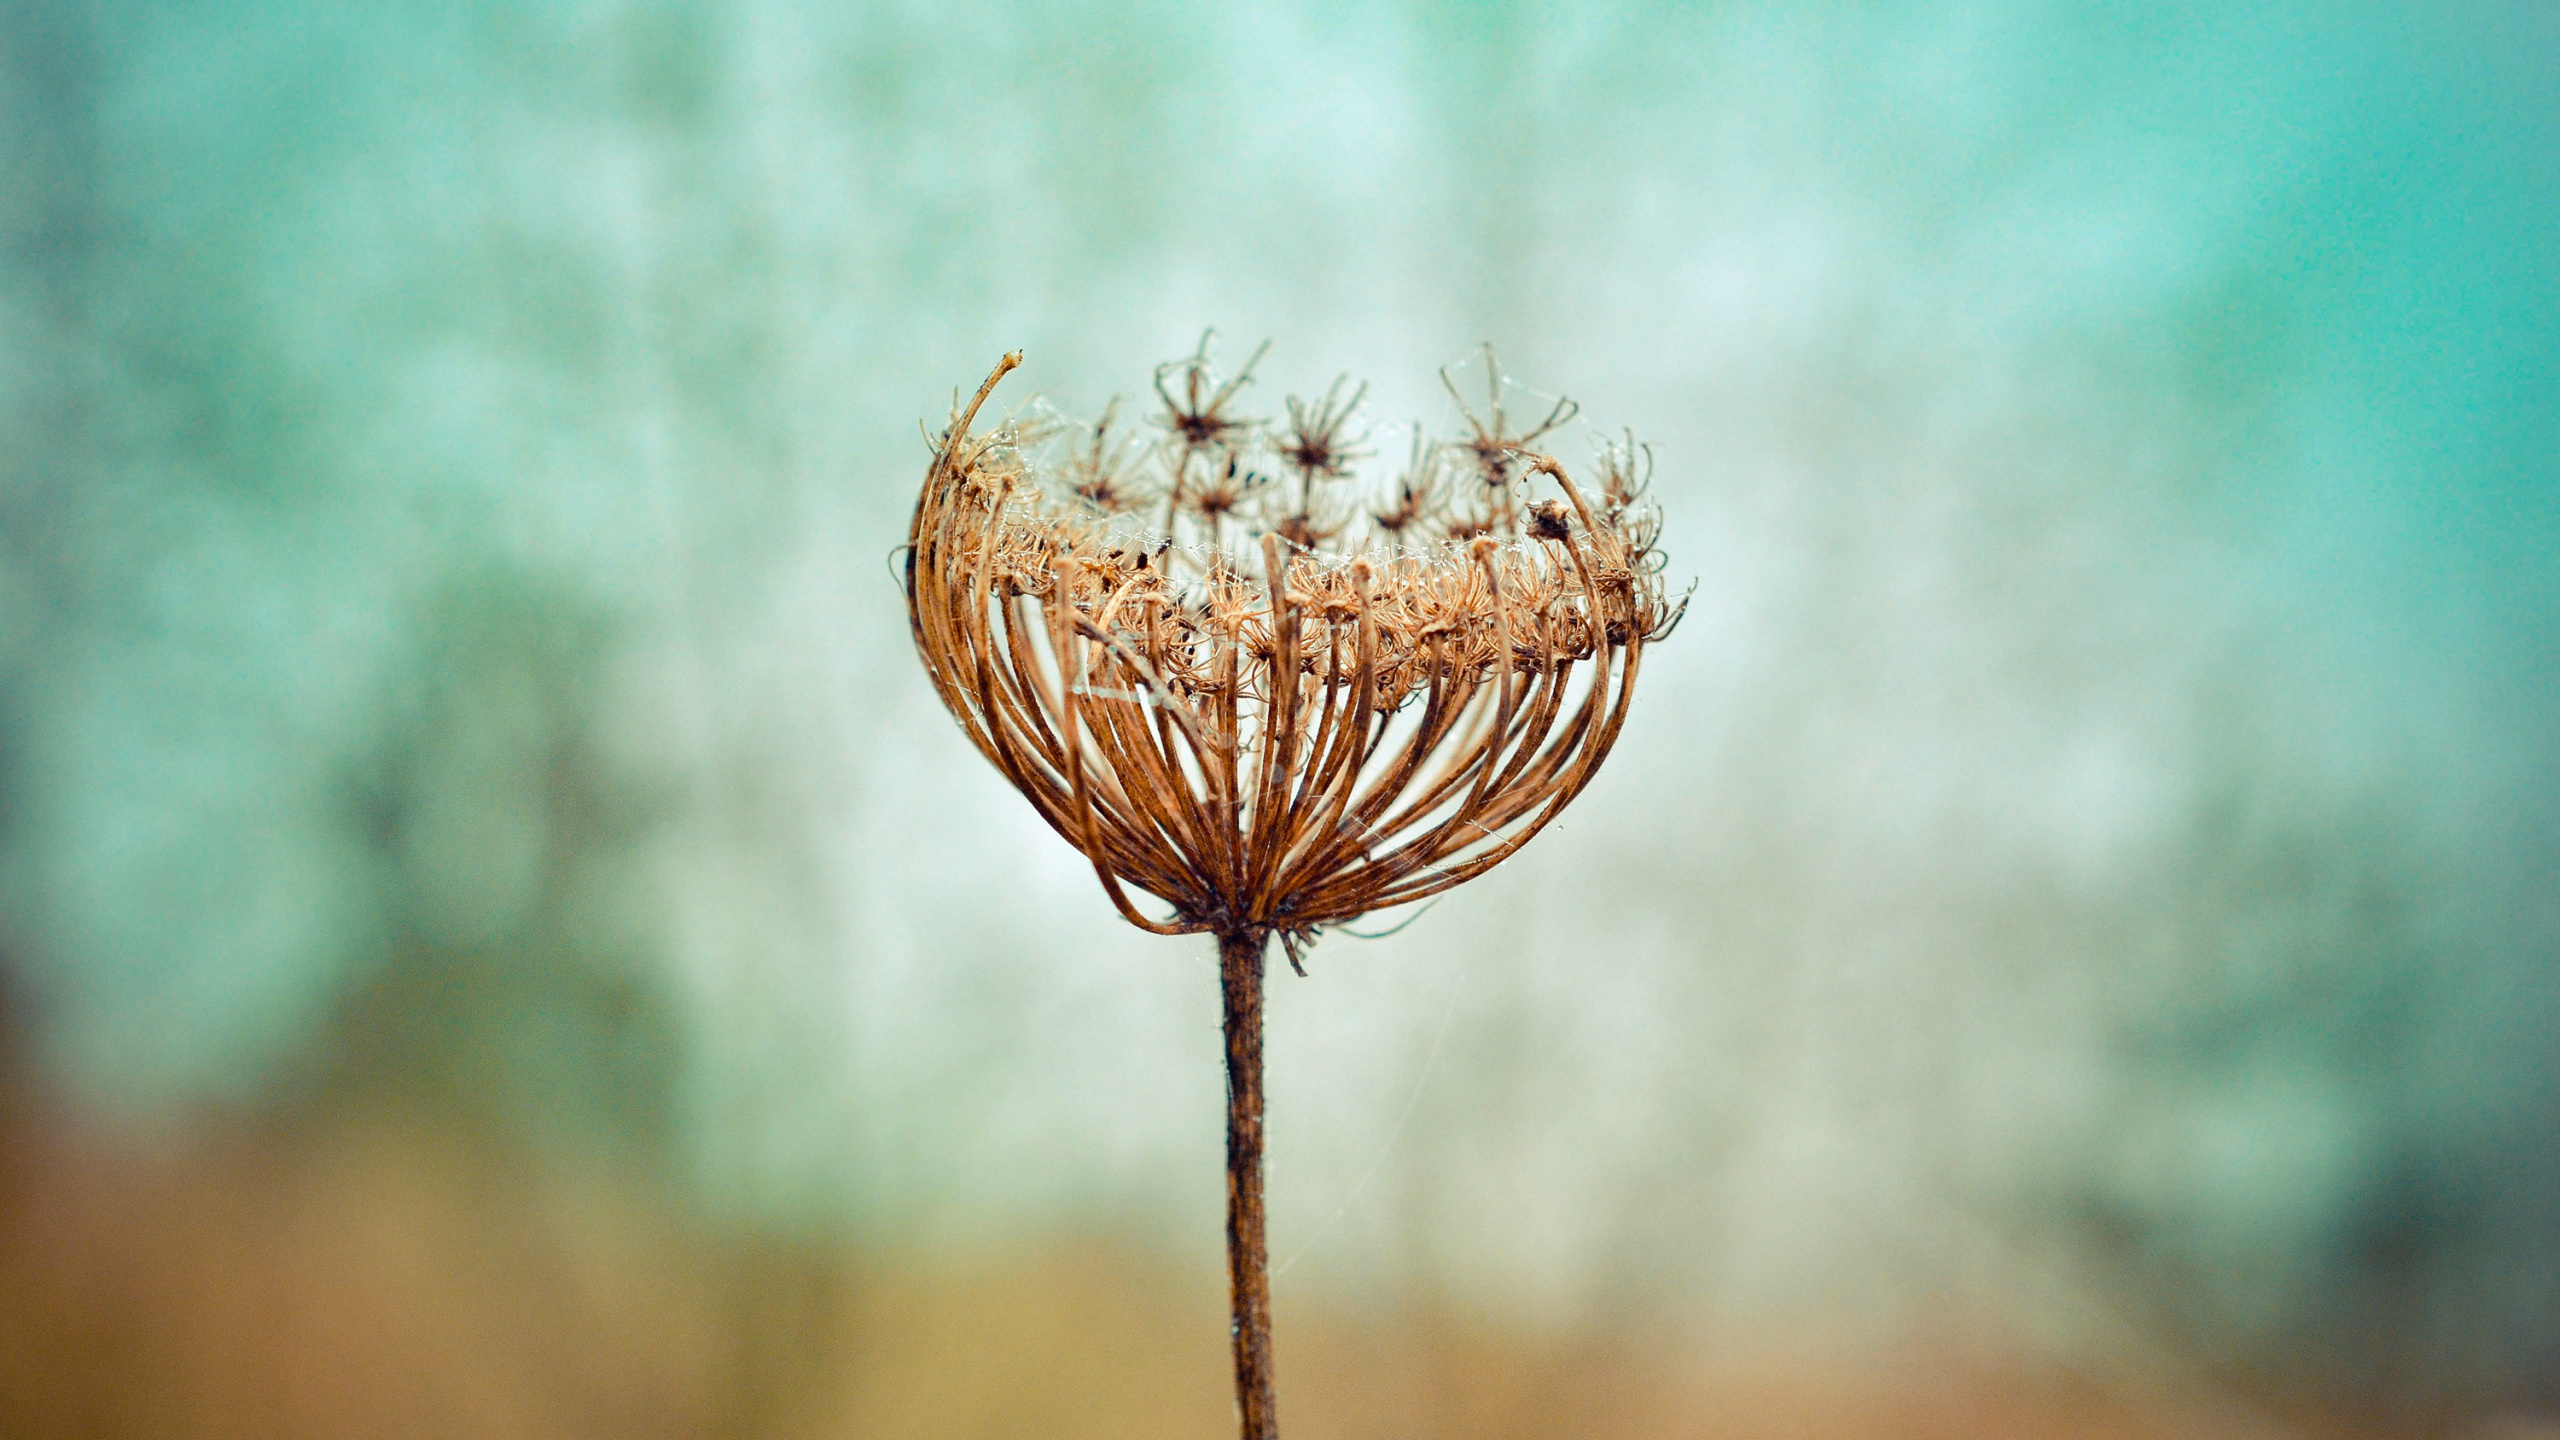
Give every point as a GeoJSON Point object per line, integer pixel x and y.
{"type": "Point", "coordinates": [2092, 851]}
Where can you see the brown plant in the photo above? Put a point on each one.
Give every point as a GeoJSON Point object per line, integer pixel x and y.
{"type": "Point", "coordinates": [1335, 714]}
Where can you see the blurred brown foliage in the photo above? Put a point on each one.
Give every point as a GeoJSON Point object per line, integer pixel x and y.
{"type": "Point", "coordinates": [387, 1277]}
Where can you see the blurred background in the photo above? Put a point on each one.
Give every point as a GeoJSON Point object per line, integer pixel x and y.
{"type": "Point", "coordinates": [499, 939]}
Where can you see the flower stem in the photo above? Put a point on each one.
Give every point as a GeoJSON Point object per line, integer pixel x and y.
{"type": "Point", "coordinates": [1240, 957]}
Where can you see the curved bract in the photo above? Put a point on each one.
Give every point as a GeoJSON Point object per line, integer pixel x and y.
{"type": "Point", "coordinates": [1260, 701]}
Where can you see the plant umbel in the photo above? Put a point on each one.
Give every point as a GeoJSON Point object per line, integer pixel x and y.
{"type": "Point", "coordinates": [1274, 707]}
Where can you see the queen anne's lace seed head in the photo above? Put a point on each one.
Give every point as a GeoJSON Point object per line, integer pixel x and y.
{"type": "Point", "coordinates": [1236, 684]}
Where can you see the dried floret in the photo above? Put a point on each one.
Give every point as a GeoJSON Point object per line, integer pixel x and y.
{"type": "Point", "coordinates": [1103, 471]}
{"type": "Point", "coordinates": [1416, 492]}
{"type": "Point", "coordinates": [1198, 417]}
{"type": "Point", "coordinates": [1494, 450]}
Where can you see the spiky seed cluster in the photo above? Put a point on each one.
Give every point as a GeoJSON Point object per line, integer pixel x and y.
{"type": "Point", "coordinates": [1274, 707]}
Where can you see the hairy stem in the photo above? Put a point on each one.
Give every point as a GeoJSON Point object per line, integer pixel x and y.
{"type": "Point", "coordinates": [1248, 1265]}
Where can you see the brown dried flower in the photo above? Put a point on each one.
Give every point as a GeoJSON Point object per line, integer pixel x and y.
{"type": "Point", "coordinates": [1357, 757]}
{"type": "Point", "coordinates": [1276, 722]}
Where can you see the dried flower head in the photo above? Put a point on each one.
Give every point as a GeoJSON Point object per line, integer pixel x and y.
{"type": "Point", "coordinates": [1278, 709]}
{"type": "Point", "coordinates": [1276, 718]}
